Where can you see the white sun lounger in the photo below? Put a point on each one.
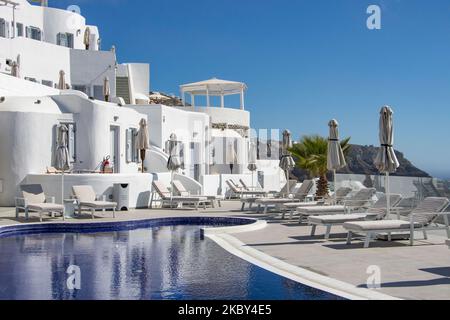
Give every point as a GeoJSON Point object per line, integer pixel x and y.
{"type": "Point", "coordinates": [422, 218]}
{"type": "Point", "coordinates": [34, 200]}
{"type": "Point", "coordinates": [181, 191]}
{"type": "Point", "coordinates": [299, 196]}
{"type": "Point", "coordinates": [164, 194]}
{"type": "Point", "coordinates": [360, 201]}
{"type": "Point", "coordinates": [248, 188]}
{"type": "Point", "coordinates": [271, 194]}
{"type": "Point", "coordinates": [291, 207]}
{"type": "Point", "coordinates": [377, 212]}
{"type": "Point", "coordinates": [86, 198]}
{"type": "Point", "coordinates": [241, 193]}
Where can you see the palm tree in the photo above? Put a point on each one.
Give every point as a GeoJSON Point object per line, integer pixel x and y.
{"type": "Point", "coordinates": [311, 155]}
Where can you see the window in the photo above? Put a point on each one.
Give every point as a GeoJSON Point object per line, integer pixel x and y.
{"type": "Point", "coordinates": [69, 40]}
{"type": "Point", "coordinates": [47, 83]}
{"type": "Point", "coordinates": [64, 39]}
{"type": "Point", "coordinates": [81, 88]}
{"type": "Point", "coordinates": [34, 33]}
{"type": "Point", "coordinates": [19, 27]}
{"type": "Point", "coordinates": [61, 39]}
{"type": "Point", "coordinates": [132, 154]}
{"type": "Point", "coordinates": [98, 92]}
{"type": "Point", "coordinates": [2, 28]}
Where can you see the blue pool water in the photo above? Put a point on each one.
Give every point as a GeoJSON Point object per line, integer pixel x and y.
{"type": "Point", "coordinates": [151, 263]}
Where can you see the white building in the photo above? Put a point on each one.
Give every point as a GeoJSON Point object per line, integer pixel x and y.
{"type": "Point", "coordinates": [36, 44]}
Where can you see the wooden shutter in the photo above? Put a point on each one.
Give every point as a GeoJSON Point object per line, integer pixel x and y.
{"type": "Point", "coordinates": [72, 143]}
{"type": "Point", "coordinates": [133, 145]}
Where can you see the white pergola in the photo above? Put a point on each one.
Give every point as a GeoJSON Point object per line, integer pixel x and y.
{"type": "Point", "coordinates": [213, 88]}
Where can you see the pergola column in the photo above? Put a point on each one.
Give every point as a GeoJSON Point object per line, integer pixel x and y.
{"type": "Point", "coordinates": [207, 97]}
{"type": "Point", "coordinates": [183, 96]}
{"type": "Point", "coordinates": [242, 99]}
{"type": "Point", "coordinates": [222, 101]}
{"type": "Point", "coordinates": [193, 100]}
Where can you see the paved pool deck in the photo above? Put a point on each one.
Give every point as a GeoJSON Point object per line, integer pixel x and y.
{"type": "Point", "coordinates": [418, 272]}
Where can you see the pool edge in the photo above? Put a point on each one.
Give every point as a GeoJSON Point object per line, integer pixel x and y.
{"type": "Point", "coordinates": [297, 274]}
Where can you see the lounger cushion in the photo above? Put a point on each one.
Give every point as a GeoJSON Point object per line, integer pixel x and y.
{"type": "Point", "coordinates": [84, 193]}
{"type": "Point", "coordinates": [214, 197]}
{"type": "Point", "coordinates": [182, 192]}
{"type": "Point", "coordinates": [242, 191]}
{"type": "Point", "coordinates": [336, 218]}
{"type": "Point", "coordinates": [320, 210]}
{"type": "Point", "coordinates": [186, 199]}
{"type": "Point", "coordinates": [294, 205]}
{"type": "Point", "coordinates": [267, 201]}
{"type": "Point", "coordinates": [99, 204]}
{"type": "Point", "coordinates": [253, 192]}
{"type": "Point", "coordinates": [46, 207]}
{"type": "Point", "coordinates": [379, 225]}
{"type": "Point", "coordinates": [33, 193]}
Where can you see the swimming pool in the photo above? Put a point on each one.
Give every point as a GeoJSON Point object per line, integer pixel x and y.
{"type": "Point", "coordinates": [165, 259]}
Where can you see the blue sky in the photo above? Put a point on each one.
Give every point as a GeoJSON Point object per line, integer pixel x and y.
{"type": "Point", "coordinates": [304, 62]}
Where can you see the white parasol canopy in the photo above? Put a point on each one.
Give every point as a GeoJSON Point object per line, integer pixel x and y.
{"type": "Point", "coordinates": [142, 141]}
{"type": "Point", "coordinates": [62, 154]}
{"type": "Point", "coordinates": [335, 155]}
{"type": "Point", "coordinates": [62, 80]}
{"type": "Point", "coordinates": [386, 160]}
{"type": "Point", "coordinates": [106, 89]}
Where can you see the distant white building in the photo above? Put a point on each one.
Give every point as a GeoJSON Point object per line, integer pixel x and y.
{"type": "Point", "coordinates": [36, 44]}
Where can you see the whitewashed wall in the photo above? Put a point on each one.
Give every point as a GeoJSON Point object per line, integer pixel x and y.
{"type": "Point", "coordinates": [224, 115]}
{"type": "Point", "coordinates": [94, 119]}
{"type": "Point", "coordinates": [38, 59]}
{"type": "Point", "coordinates": [26, 141]}
{"type": "Point", "coordinates": [91, 67]}
{"type": "Point", "coordinates": [51, 21]}
{"type": "Point", "coordinates": [139, 192]}
{"type": "Point", "coordinates": [11, 86]}
{"type": "Point", "coordinates": [27, 135]}
{"type": "Point", "coordinates": [188, 126]}
{"type": "Point", "coordinates": [139, 74]}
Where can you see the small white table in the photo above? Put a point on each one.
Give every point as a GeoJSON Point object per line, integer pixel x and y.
{"type": "Point", "coordinates": [69, 208]}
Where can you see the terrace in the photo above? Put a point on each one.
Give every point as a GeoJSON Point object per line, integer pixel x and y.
{"type": "Point", "coordinates": [418, 272]}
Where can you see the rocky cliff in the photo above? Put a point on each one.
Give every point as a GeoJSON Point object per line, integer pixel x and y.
{"type": "Point", "coordinates": [360, 161]}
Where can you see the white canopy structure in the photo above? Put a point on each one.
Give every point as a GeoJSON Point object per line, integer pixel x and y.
{"type": "Point", "coordinates": [214, 87]}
